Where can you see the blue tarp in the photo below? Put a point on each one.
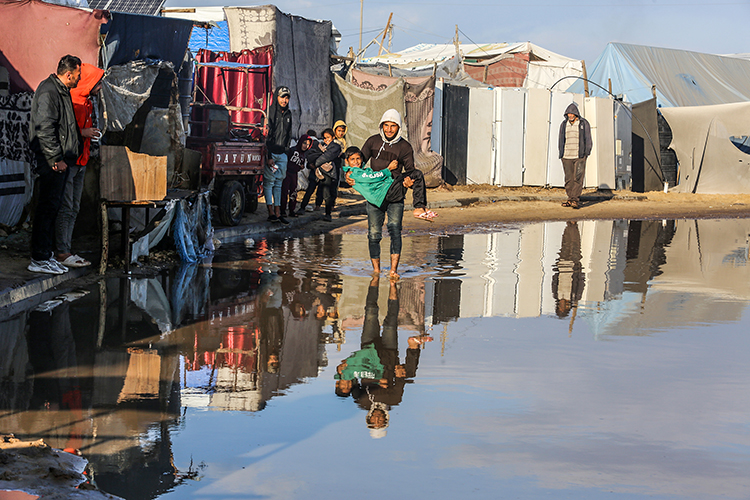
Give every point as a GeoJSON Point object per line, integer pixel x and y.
{"type": "Point", "coordinates": [681, 77]}
{"type": "Point", "coordinates": [131, 37]}
{"type": "Point", "coordinates": [215, 39]}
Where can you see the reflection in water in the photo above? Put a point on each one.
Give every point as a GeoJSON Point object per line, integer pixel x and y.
{"type": "Point", "coordinates": [124, 373]}
{"type": "Point", "coordinates": [569, 279]}
{"type": "Point", "coordinates": [373, 375]}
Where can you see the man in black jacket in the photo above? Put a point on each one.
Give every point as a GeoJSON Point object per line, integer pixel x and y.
{"type": "Point", "coordinates": [55, 139]}
{"type": "Point", "coordinates": [574, 144]}
{"type": "Point", "coordinates": [278, 137]}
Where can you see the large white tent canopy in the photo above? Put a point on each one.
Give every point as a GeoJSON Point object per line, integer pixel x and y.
{"type": "Point", "coordinates": [680, 77]}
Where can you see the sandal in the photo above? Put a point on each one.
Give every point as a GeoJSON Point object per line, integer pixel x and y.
{"type": "Point", "coordinates": [424, 216]}
{"type": "Point", "coordinates": [566, 204]}
{"type": "Point", "coordinates": [575, 204]}
{"type": "Point", "coordinates": [75, 261]}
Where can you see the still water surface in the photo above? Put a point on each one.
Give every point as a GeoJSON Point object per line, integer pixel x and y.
{"type": "Point", "coordinates": [566, 361]}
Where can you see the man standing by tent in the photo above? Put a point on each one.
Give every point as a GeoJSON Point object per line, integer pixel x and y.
{"type": "Point", "coordinates": [574, 144]}
{"type": "Point", "coordinates": [55, 140]}
{"type": "Point", "coordinates": [278, 137]}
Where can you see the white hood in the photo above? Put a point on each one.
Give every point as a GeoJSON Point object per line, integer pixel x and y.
{"type": "Point", "coordinates": [391, 116]}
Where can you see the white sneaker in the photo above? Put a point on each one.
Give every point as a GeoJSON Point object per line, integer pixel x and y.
{"type": "Point", "coordinates": [57, 263]}
{"type": "Point", "coordinates": [309, 208]}
{"type": "Point", "coordinates": [44, 266]}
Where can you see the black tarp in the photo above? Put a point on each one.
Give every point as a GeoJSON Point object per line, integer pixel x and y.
{"type": "Point", "coordinates": [455, 133]}
{"type": "Point", "coordinates": [647, 173]}
{"type": "Point", "coordinates": [131, 37]}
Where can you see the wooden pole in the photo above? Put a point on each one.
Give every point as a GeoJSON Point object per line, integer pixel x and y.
{"type": "Point", "coordinates": [585, 79]}
{"type": "Point", "coordinates": [609, 85]}
{"type": "Point", "coordinates": [361, 15]}
{"type": "Point", "coordinates": [385, 32]}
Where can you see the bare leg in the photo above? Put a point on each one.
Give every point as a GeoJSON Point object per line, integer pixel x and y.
{"type": "Point", "coordinates": [270, 210]}
{"type": "Point", "coordinates": [375, 266]}
{"type": "Point", "coordinates": [395, 257]}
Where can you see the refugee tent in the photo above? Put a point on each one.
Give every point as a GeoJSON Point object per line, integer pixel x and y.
{"type": "Point", "coordinates": [29, 57]}
{"type": "Point", "coordinates": [521, 64]}
{"type": "Point", "coordinates": [680, 77]}
{"type": "Point", "coordinates": [301, 49]}
{"type": "Point", "coordinates": [712, 147]}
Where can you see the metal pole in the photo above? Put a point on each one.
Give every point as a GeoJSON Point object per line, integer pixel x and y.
{"type": "Point", "coordinates": [361, 13]}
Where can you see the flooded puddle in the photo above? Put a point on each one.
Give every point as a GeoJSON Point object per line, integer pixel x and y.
{"type": "Point", "coordinates": [554, 360]}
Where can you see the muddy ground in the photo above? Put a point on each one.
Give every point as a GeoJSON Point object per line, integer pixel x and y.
{"type": "Point", "coordinates": [547, 207]}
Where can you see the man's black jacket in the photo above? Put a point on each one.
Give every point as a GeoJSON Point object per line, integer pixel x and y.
{"type": "Point", "coordinates": [53, 132]}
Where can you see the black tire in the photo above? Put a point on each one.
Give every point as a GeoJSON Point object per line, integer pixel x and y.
{"type": "Point", "coordinates": [231, 203]}
{"type": "Point", "coordinates": [251, 199]}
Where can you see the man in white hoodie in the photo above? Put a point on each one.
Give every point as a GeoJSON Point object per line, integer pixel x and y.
{"type": "Point", "coordinates": [388, 149]}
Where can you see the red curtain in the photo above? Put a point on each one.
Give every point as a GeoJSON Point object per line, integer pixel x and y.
{"type": "Point", "coordinates": [250, 90]}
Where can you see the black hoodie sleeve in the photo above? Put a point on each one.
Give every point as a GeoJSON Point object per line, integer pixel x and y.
{"type": "Point", "coordinates": [332, 152]}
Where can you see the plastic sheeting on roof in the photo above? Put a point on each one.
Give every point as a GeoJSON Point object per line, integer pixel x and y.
{"type": "Point", "coordinates": [214, 36]}
{"type": "Point", "coordinates": [544, 68]}
{"type": "Point", "coordinates": [682, 78]}
{"type": "Point", "coordinates": [133, 37]}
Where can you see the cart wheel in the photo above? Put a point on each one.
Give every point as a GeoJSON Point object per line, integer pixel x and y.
{"type": "Point", "coordinates": [231, 203]}
{"type": "Point", "coordinates": [254, 189]}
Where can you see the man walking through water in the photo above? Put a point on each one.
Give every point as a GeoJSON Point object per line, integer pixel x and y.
{"type": "Point", "coordinates": [388, 150]}
{"type": "Point", "coordinates": [574, 143]}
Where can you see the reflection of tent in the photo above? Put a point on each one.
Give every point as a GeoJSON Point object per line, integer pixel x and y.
{"type": "Point", "coordinates": [682, 78]}
{"type": "Point", "coordinates": [711, 145]}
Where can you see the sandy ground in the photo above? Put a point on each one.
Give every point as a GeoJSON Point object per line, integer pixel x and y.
{"type": "Point", "coordinates": [547, 207]}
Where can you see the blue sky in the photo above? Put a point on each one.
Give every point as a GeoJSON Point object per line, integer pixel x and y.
{"type": "Point", "coordinates": [580, 29]}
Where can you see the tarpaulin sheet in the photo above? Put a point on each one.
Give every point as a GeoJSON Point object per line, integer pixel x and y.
{"type": "Point", "coordinates": [15, 115]}
{"type": "Point", "coordinates": [126, 88]}
{"type": "Point", "coordinates": [710, 160]}
{"type": "Point", "coordinates": [681, 77]}
{"type": "Point", "coordinates": [362, 109]}
{"type": "Point", "coordinates": [133, 36]}
{"type": "Point", "coordinates": [36, 35]}
{"type": "Point", "coordinates": [419, 103]}
{"type": "Point", "coordinates": [243, 88]}
{"type": "Point", "coordinates": [16, 188]}
{"type": "Point", "coordinates": [646, 154]}
{"type": "Point", "coordinates": [301, 58]}
{"type": "Point", "coordinates": [214, 38]}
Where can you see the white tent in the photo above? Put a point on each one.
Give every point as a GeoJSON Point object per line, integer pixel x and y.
{"type": "Point", "coordinates": [712, 145]}
{"type": "Point", "coordinates": [543, 68]}
{"type": "Point", "coordinates": [680, 77]}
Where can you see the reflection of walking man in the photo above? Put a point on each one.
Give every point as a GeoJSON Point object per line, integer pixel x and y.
{"type": "Point", "coordinates": [574, 143]}
{"type": "Point", "coordinates": [381, 384]}
{"type": "Point", "coordinates": [569, 279]}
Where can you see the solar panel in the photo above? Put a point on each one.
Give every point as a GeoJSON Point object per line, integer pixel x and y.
{"type": "Point", "coordinates": [148, 7]}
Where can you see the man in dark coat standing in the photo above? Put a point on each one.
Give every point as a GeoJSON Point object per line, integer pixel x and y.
{"type": "Point", "coordinates": [574, 143]}
{"type": "Point", "coordinates": [55, 140]}
{"type": "Point", "coordinates": [278, 137]}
